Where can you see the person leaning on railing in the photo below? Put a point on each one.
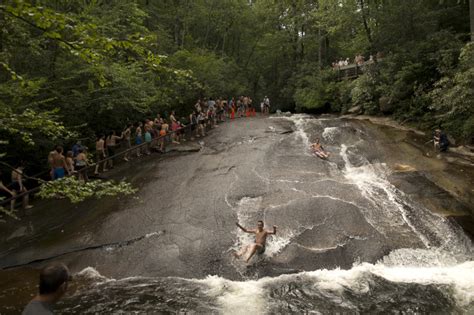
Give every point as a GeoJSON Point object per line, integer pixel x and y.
{"type": "Point", "coordinates": [194, 125]}
{"type": "Point", "coordinates": [163, 134]}
{"type": "Point", "coordinates": [138, 137]}
{"type": "Point", "coordinates": [7, 193]}
{"type": "Point", "coordinates": [81, 164]}
{"type": "Point", "coordinates": [18, 186]}
{"type": "Point", "coordinates": [100, 154]}
{"type": "Point", "coordinates": [111, 143]}
{"type": "Point", "coordinates": [127, 133]}
{"type": "Point", "coordinates": [201, 123]}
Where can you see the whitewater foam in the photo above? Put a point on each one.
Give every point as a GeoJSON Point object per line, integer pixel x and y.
{"type": "Point", "coordinates": [246, 209]}
{"type": "Point", "coordinates": [93, 274]}
{"type": "Point", "coordinates": [236, 297]}
{"type": "Point", "coordinates": [358, 279]}
{"type": "Point", "coordinates": [448, 268]}
{"type": "Point", "coordinates": [330, 133]}
{"type": "Point", "coordinates": [240, 297]}
{"type": "Point", "coordinates": [300, 121]}
{"type": "Point", "coordinates": [371, 181]}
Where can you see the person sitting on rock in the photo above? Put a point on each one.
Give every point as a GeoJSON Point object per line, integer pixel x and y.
{"type": "Point", "coordinates": [318, 150]}
{"type": "Point", "coordinates": [260, 240]}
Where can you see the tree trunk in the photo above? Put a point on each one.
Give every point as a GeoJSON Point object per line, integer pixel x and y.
{"type": "Point", "coordinates": [302, 42]}
{"type": "Point", "coordinates": [366, 25]}
{"type": "Point", "coordinates": [176, 30]}
{"type": "Point", "coordinates": [224, 39]}
{"type": "Point", "coordinates": [183, 34]}
{"type": "Point", "coordinates": [471, 14]}
{"type": "Point", "coordinates": [319, 49]}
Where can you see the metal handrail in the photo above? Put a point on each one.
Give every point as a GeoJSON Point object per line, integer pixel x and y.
{"type": "Point", "coordinates": [89, 167]}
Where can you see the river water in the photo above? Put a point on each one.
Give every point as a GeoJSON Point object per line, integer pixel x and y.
{"type": "Point", "coordinates": [348, 241]}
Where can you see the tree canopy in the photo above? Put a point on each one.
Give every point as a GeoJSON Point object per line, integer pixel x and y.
{"type": "Point", "coordinates": [70, 69]}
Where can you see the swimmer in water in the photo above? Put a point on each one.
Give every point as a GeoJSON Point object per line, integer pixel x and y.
{"type": "Point", "coordinates": [318, 150]}
{"type": "Point", "coordinates": [260, 240]}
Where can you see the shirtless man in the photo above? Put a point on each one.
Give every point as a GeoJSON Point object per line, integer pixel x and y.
{"type": "Point", "coordinates": [9, 193]}
{"type": "Point", "coordinates": [51, 157]}
{"type": "Point", "coordinates": [59, 164]}
{"type": "Point", "coordinates": [260, 240]}
{"type": "Point", "coordinates": [18, 187]}
{"type": "Point", "coordinates": [127, 133]}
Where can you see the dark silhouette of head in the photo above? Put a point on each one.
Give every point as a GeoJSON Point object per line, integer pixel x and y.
{"type": "Point", "coordinates": [53, 281]}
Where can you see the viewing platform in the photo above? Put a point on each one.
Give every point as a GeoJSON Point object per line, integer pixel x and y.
{"type": "Point", "coordinates": [353, 71]}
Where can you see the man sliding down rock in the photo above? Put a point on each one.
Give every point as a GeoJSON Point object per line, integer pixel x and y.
{"type": "Point", "coordinates": [260, 240]}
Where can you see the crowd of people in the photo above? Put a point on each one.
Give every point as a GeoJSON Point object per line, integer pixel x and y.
{"type": "Point", "coordinates": [340, 63]}
{"type": "Point", "coordinates": [135, 140]}
{"type": "Point", "coordinates": [15, 188]}
{"type": "Point", "coordinates": [150, 135]}
{"type": "Point", "coordinates": [222, 109]}
{"type": "Point", "coordinates": [359, 60]}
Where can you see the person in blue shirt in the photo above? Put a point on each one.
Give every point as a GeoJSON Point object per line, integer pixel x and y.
{"type": "Point", "coordinates": [76, 147]}
{"type": "Point", "coordinates": [441, 141]}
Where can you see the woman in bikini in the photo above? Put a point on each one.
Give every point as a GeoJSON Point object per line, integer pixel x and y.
{"type": "Point", "coordinates": [174, 128]}
{"type": "Point", "coordinates": [163, 133]}
{"type": "Point", "coordinates": [318, 150]}
{"type": "Point", "coordinates": [81, 164]}
{"type": "Point", "coordinates": [138, 137]}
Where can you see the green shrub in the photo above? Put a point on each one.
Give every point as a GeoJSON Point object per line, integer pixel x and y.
{"type": "Point", "coordinates": [364, 94]}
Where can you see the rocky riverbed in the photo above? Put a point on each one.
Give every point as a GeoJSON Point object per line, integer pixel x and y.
{"type": "Point", "coordinates": [384, 219]}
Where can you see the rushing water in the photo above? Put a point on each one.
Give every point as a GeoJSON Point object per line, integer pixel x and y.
{"type": "Point", "coordinates": [434, 274]}
{"type": "Point", "coordinates": [364, 288]}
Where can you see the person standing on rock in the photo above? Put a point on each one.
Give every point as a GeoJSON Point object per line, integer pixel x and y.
{"type": "Point", "coordinates": [266, 103]}
{"type": "Point", "coordinates": [53, 283]}
{"type": "Point", "coordinates": [441, 141]}
{"type": "Point", "coordinates": [260, 240]}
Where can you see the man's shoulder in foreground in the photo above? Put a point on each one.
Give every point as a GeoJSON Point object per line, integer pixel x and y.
{"type": "Point", "coordinates": [36, 307]}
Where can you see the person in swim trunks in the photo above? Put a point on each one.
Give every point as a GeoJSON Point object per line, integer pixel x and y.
{"type": "Point", "coordinates": [260, 240]}
{"type": "Point", "coordinates": [18, 186]}
{"type": "Point", "coordinates": [59, 164]}
{"type": "Point", "coordinates": [318, 150]}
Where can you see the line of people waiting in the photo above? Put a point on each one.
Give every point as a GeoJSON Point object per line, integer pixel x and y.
{"type": "Point", "coordinates": [17, 187]}
{"type": "Point", "coordinates": [359, 60]}
{"type": "Point", "coordinates": [155, 132]}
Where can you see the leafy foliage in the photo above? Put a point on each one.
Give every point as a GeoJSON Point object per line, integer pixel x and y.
{"type": "Point", "coordinates": [77, 191]}
{"type": "Point", "coordinates": [453, 96]}
{"type": "Point", "coordinates": [72, 69]}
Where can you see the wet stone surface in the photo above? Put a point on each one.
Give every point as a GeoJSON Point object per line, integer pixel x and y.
{"type": "Point", "coordinates": [356, 207]}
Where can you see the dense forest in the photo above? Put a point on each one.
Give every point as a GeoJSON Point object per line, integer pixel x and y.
{"type": "Point", "coordinates": [72, 68]}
